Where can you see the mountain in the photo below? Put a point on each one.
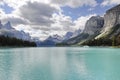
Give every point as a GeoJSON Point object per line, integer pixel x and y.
{"type": "Point", "coordinates": [112, 22]}
{"type": "Point", "coordinates": [92, 28]}
{"type": "Point", "coordinates": [7, 26]}
{"type": "Point", "coordinates": [111, 28]}
{"type": "Point", "coordinates": [37, 41]}
{"type": "Point", "coordinates": [22, 35]}
{"type": "Point", "coordinates": [68, 35]}
{"type": "Point", "coordinates": [52, 40]}
{"type": "Point", "coordinates": [100, 31]}
{"type": "Point", "coordinates": [8, 30]}
{"type": "Point", "coordinates": [94, 25]}
{"type": "Point", "coordinates": [55, 38]}
{"type": "Point", "coordinates": [76, 33]}
{"type": "Point", "coordinates": [11, 37]}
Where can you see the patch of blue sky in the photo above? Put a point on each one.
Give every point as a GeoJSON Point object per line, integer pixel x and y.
{"type": "Point", "coordinates": [7, 9]}
{"type": "Point", "coordinates": [74, 13]}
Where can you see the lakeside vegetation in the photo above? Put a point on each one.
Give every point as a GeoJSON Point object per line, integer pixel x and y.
{"type": "Point", "coordinates": [114, 42]}
{"type": "Point", "coordinates": [103, 42]}
{"type": "Point", "coordinates": [6, 41]}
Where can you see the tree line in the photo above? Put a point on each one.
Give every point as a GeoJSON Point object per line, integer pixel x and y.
{"type": "Point", "coordinates": [114, 41]}
{"type": "Point", "coordinates": [13, 42]}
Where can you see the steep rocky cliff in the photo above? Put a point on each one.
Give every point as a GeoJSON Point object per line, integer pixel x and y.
{"type": "Point", "coordinates": [92, 29]}
{"type": "Point", "coordinates": [112, 19]}
{"type": "Point", "coordinates": [94, 25]}
{"type": "Point", "coordinates": [100, 31]}
{"type": "Point", "coordinates": [110, 34]}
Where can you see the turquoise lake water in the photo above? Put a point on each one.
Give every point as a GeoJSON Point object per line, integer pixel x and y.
{"type": "Point", "coordinates": [60, 63]}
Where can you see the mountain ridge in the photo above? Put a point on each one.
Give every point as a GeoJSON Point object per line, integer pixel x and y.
{"type": "Point", "coordinates": [11, 37]}
{"type": "Point", "coordinates": [92, 28]}
{"type": "Point", "coordinates": [104, 30]}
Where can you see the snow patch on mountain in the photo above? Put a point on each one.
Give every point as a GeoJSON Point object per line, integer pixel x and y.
{"type": "Point", "coordinates": [8, 30]}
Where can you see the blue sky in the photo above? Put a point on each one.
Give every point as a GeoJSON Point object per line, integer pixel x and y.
{"type": "Point", "coordinates": [7, 9]}
{"type": "Point", "coordinates": [74, 13]}
{"type": "Point", "coordinates": [42, 18]}
{"type": "Point", "coordinates": [85, 10]}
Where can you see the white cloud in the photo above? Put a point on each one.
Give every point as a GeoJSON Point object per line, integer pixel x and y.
{"type": "Point", "coordinates": [70, 3]}
{"type": "Point", "coordinates": [42, 18]}
{"type": "Point", "coordinates": [1, 12]}
{"type": "Point", "coordinates": [75, 3]}
{"type": "Point", "coordinates": [61, 25]}
{"type": "Point", "coordinates": [91, 9]}
{"type": "Point", "coordinates": [16, 4]}
{"type": "Point", "coordinates": [15, 20]}
{"type": "Point", "coordinates": [1, 2]}
{"type": "Point", "coordinates": [62, 22]}
{"type": "Point", "coordinates": [110, 2]}
{"type": "Point", "coordinates": [37, 13]}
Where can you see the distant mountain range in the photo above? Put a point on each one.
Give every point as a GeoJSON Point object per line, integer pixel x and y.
{"type": "Point", "coordinates": [12, 37]}
{"type": "Point", "coordinates": [99, 31]}
{"type": "Point", "coordinates": [55, 39]}
{"type": "Point", "coordinates": [8, 30]}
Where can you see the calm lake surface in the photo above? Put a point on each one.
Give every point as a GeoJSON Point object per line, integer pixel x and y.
{"type": "Point", "coordinates": [60, 63]}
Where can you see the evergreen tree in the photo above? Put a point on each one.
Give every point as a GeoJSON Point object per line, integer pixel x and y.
{"type": "Point", "coordinates": [8, 41]}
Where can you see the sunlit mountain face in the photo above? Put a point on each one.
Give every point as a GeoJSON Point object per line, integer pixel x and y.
{"type": "Point", "coordinates": [44, 18]}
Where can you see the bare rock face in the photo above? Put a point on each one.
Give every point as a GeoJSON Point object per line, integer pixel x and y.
{"type": "Point", "coordinates": [100, 28]}
{"type": "Point", "coordinates": [0, 25]}
{"type": "Point", "coordinates": [94, 25]}
{"type": "Point", "coordinates": [111, 18]}
{"type": "Point", "coordinates": [92, 29]}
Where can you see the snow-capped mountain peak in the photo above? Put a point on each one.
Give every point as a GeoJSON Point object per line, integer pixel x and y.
{"type": "Point", "coordinates": [8, 30]}
{"type": "Point", "coordinates": [8, 25]}
{"type": "Point", "coordinates": [56, 38]}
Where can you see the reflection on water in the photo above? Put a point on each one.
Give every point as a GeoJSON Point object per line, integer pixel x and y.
{"type": "Point", "coordinates": [59, 64]}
